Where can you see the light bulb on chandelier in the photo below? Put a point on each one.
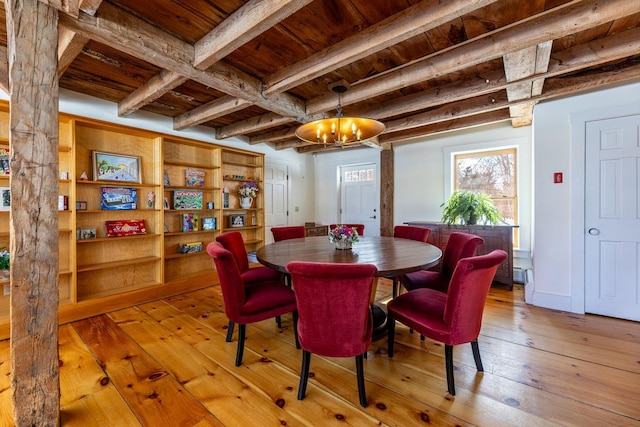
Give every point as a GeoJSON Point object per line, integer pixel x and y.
{"type": "Point", "coordinates": [340, 130]}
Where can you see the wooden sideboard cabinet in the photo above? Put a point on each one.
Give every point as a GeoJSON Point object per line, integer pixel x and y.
{"type": "Point", "coordinates": [316, 230]}
{"type": "Point", "coordinates": [495, 237]}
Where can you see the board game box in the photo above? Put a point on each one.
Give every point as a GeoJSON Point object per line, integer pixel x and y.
{"type": "Point", "coordinates": [125, 227]}
{"type": "Point", "coordinates": [187, 199]}
{"type": "Point", "coordinates": [209, 223]}
{"type": "Point", "coordinates": [119, 198]}
{"type": "Point", "coordinates": [189, 222]}
{"type": "Point", "coordinates": [194, 177]}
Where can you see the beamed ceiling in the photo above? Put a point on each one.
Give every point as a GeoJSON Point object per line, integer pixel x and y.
{"type": "Point", "coordinates": [258, 69]}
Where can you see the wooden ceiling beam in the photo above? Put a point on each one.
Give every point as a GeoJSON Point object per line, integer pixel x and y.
{"type": "Point", "coordinates": [595, 53]}
{"type": "Point", "coordinates": [554, 88]}
{"type": "Point", "coordinates": [558, 22]}
{"type": "Point", "coordinates": [275, 136]}
{"type": "Point", "coordinates": [120, 30]}
{"type": "Point", "coordinates": [151, 90]}
{"type": "Point", "coordinates": [412, 21]}
{"type": "Point", "coordinates": [254, 124]}
{"type": "Point", "coordinates": [519, 65]}
{"type": "Point", "coordinates": [72, 7]}
{"type": "Point", "coordinates": [209, 111]}
{"type": "Point", "coordinates": [245, 24]}
{"type": "Point", "coordinates": [70, 44]}
{"type": "Point", "coordinates": [447, 126]}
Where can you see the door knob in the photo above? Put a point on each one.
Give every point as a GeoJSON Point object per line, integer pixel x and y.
{"type": "Point", "coordinates": [374, 217]}
{"type": "Point", "coordinates": [594, 231]}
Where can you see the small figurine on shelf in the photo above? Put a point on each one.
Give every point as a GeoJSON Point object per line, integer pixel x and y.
{"type": "Point", "coordinates": [151, 198]}
{"type": "Point", "coordinates": [83, 176]}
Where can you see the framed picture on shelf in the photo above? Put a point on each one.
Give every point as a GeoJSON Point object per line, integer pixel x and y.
{"type": "Point", "coordinates": [5, 198]}
{"type": "Point", "coordinates": [116, 167]}
{"type": "Point", "coordinates": [236, 221]}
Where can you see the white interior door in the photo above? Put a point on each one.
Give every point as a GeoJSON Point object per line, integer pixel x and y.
{"type": "Point", "coordinates": [276, 200]}
{"type": "Point", "coordinates": [359, 197]}
{"type": "Point", "coordinates": [612, 217]}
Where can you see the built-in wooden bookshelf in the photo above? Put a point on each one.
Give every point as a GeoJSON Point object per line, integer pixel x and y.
{"type": "Point", "coordinates": [98, 273]}
{"type": "Point", "coordinates": [237, 169]}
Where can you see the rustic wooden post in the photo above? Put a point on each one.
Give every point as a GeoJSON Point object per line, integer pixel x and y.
{"type": "Point", "coordinates": [32, 38]}
{"type": "Point", "coordinates": [386, 190]}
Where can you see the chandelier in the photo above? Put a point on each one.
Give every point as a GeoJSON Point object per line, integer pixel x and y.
{"type": "Point", "coordinates": [340, 130]}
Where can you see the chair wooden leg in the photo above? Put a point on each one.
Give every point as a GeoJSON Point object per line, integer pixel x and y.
{"type": "Point", "coordinates": [242, 329]}
{"type": "Point", "coordinates": [295, 328]}
{"type": "Point", "coordinates": [476, 355]}
{"type": "Point", "coordinates": [391, 330]}
{"type": "Point", "coordinates": [304, 374]}
{"type": "Point", "coordinates": [360, 376]}
{"type": "Point", "coordinates": [448, 356]}
{"type": "Point", "coordinates": [230, 331]}
{"type": "Point", "coordinates": [279, 322]}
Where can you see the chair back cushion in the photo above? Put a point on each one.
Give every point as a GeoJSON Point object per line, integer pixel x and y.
{"type": "Point", "coordinates": [459, 245]}
{"type": "Point", "coordinates": [285, 233]}
{"type": "Point", "coordinates": [411, 232]}
{"type": "Point", "coordinates": [467, 294]}
{"type": "Point", "coordinates": [359, 227]}
{"type": "Point", "coordinates": [334, 307]}
{"type": "Point", "coordinates": [233, 292]}
{"type": "Point", "coordinates": [234, 243]}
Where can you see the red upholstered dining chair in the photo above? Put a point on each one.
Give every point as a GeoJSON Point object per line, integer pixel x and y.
{"type": "Point", "coordinates": [411, 232]}
{"type": "Point", "coordinates": [334, 314]}
{"type": "Point", "coordinates": [249, 304]}
{"type": "Point", "coordinates": [453, 318]}
{"type": "Point", "coordinates": [359, 227]}
{"type": "Point", "coordinates": [290, 232]}
{"type": "Point", "coordinates": [234, 243]}
{"type": "Point", "coordinates": [459, 245]}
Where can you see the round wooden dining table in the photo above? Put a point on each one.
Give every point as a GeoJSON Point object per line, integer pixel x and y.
{"type": "Point", "coordinates": [392, 256]}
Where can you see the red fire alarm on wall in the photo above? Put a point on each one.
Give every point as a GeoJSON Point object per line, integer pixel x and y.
{"type": "Point", "coordinates": [557, 177]}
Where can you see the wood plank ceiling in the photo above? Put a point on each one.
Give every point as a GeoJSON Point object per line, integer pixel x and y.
{"type": "Point", "coordinates": [258, 69]}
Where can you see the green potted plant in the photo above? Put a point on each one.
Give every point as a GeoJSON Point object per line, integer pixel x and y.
{"type": "Point", "coordinates": [469, 207]}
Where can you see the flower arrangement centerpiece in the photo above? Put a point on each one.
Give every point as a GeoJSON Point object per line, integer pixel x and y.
{"type": "Point", "coordinates": [344, 237]}
{"type": "Point", "coordinates": [247, 192]}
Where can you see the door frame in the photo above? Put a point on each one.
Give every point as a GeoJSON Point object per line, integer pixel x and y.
{"type": "Point", "coordinates": [578, 123]}
{"type": "Point", "coordinates": [287, 165]}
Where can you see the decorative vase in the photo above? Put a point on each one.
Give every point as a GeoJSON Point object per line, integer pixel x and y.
{"type": "Point", "coordinates": [343, 244]}
{"type": "Point", "coordinates": [245, 202]}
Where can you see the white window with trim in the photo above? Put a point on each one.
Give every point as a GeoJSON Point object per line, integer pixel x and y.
{"type": "Point", "coordinates": [493, 172]}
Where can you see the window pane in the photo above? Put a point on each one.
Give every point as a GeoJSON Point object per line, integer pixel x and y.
{"type": "Point", "coordinates": [492, 173]}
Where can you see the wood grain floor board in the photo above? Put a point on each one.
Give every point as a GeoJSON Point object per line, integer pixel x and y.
{"type": "Point", "coordinates": [166, 363]}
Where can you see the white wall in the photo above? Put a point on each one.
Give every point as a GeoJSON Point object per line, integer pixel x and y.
{"type": "Point", "coordinates": [558, 131]}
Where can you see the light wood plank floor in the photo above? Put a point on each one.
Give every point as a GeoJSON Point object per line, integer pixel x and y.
{"type": "Point", "coordinates": [166, 364]}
